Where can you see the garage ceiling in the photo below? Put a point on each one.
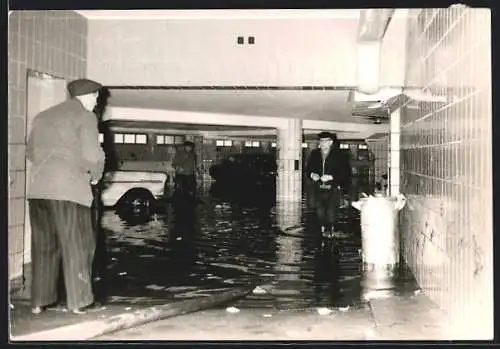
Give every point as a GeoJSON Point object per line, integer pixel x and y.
{"type": "Point", "coordinates": [328, 104]}
{"type": "Point", "coordinates": [178, 126]}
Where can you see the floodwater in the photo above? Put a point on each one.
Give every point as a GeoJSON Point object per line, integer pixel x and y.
{"type": "Point", "coordinates": [230, 238]}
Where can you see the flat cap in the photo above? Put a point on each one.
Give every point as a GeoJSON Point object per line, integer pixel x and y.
{"type": "Point", "coordinates": [326, 134]}
{"type": "Point", "coordinates": [188, 143]}
{"type": "Point", "coordinates": [81, 87]}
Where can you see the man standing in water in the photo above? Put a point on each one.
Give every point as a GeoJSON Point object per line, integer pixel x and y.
{"type": "Point", "coordinates": [185, 167]}
{"type": "Point", "coordinates": [67, 158]}
{"type": "Point", "coordinates": [330, 171]}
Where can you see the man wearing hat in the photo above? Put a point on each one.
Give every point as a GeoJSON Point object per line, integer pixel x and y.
{"type": "Point", "coordinates": [66, 158]}
{"type": "Point", "coordinates": [185, 167]}
{"type": "Point", "coordinates": [329, 172]}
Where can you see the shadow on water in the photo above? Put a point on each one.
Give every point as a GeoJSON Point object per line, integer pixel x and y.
{"type": "Point", "coordinates": [190, 248]}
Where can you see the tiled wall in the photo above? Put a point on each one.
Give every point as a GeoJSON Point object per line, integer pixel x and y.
{"type": "Point", "coordinates": [205, 52]}
{"type": "Point", "coordinates": [379, 147]}
{"type": "Point", "coordinates": [446, 163]}
{"type": "Point", "coordinates": [53, 42]}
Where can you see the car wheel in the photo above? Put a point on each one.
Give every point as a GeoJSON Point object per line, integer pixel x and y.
{"type": "Point", "coordinates": [137, 202]}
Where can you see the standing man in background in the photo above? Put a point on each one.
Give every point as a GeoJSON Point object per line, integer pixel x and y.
{"type": "Point", "coordinates": [185, 167]}
{"type": "Point", "coordinates": [67, 159]}
{"type": "Point", "coordinates": [330, 172]}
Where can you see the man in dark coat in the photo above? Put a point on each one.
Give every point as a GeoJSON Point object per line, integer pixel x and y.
{"type": "Point", "coordinates": [67, 159]}
{"type": "Point", "coordinates": [185, 167]}
{"type": "Point", "coordinates": [330, 172]}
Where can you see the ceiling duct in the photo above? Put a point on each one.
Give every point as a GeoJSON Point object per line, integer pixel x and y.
{"type": "Point", "coordinates": [372, 27]}
{"type": "Point", "coordinates": [376, 107]}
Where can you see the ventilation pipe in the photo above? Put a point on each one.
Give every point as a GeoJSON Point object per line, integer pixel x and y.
{"type": "Point", "coordinates": [372, 27]}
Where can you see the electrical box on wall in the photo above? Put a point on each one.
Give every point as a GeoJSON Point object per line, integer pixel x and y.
{"type": "Point", "coordinates": [241, 40]}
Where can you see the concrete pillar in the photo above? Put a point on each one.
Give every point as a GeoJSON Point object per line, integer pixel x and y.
{"type": "Point", "coordinates": [288, 214]}
{"type": "Point", "coordinates": [151, 140]}
{"type": "Point", "coordinates": [394, 146]}
{"type": "Point", "coordinates": [265, 146]}
{"type": "Point", "coordinates": [289, 249]}
{"type": "Point", "coordinates": [237, 146]}
{"type": "Point", "coordinates": [209, 155]}
{"type": "Point", "coordinates": [289, 181]}
{"type": "Point", "coordinates": [198, 148]}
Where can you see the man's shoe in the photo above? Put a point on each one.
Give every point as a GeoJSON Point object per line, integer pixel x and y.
{"type": "Point", "coordinates": [79, 311]}
{"type": "Point", "coordinates": [50, 307]}
{"type": "Point", "coordinates": [36, 310]}
{"type": "Point", "coordinates": [96, 306]}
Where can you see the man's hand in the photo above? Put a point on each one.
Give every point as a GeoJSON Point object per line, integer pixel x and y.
{"type": "Point", "coordinates": [326, 178]}
{"type": "Point", "coordinates": [315, 177]}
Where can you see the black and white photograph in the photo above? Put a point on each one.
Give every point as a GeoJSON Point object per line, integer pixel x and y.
{"type": "Point", "coordinates": [250, 175]}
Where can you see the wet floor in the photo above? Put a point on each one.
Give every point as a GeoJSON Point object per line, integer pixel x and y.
{"type": "Point", "coordinates": [229, 238]}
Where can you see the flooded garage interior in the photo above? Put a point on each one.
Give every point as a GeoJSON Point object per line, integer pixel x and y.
{"type": "Point", "coordinates": [235, 233]}
{"type": "Point", "coordinates": [407, 92]}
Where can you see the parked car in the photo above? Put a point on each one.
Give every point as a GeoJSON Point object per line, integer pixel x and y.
{"type": "Point", "coordinates": [132, 191]}
{"type": "Point", "coordinates": [246, 169]}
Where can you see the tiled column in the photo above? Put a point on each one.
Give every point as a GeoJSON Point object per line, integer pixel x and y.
{"type": "Point", "coordinates": [394, 144]}
{"type": "Point", "coordinates": [265, 146]}
{"type": "Point", "coordinates": [288, 214]}
{"type": "Point", "coordinates": [289, 181]}
{"type": "Point", "coordinates": [198, 148]}
{"type": "Point", "coordinates": [289, 249]}
{"type": "Point", "coordinates": [209, 155]}
{"type": "Point", "coordinates": [238, 145]}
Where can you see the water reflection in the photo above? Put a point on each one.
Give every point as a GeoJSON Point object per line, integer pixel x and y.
{"type": "Point", "coordinates": [190, 248]}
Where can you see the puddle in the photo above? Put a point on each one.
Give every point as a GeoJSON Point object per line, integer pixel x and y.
{"type": "Point", "coordinates": [221, 245]}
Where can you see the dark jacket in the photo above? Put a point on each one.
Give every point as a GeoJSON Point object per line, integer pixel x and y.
{"type": "Point", "coordinates": [185, 162]}
{"type": "Point", "coordinates": [337, 165]}
{"type": "Point", "coordinates": [65, 154]}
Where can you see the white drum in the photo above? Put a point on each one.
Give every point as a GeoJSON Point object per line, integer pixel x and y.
{"type": "Point", "coordinates": [380, 236]}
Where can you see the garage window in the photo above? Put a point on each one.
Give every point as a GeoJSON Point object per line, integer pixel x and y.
{"type": "Point", "coordinates": [223, 143]}
{"type": "Point", "coordinates": [169, 140]}
{"type": "Point", "coordinates": [141, 139]}
{"type": "Point", "coordinates": [130, 138]}
{"type": "Point", "coordinates": [252, 144]}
